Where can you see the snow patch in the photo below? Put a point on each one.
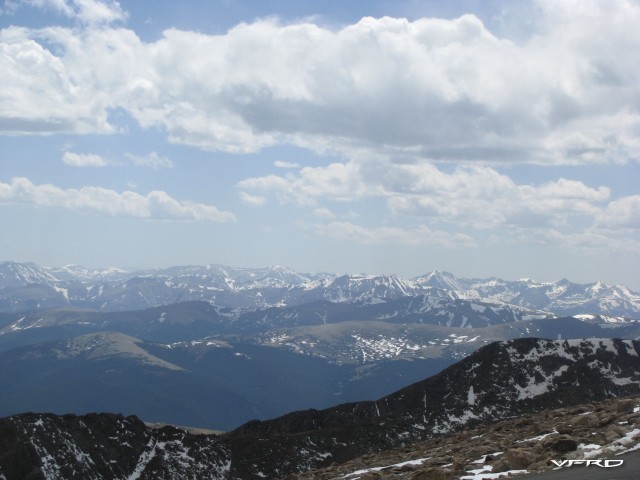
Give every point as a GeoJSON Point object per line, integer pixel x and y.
{"type": "Point", "coordinates": [471, 396]}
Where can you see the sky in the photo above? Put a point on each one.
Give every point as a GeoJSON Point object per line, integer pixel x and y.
{"type": "Point", "coordinates": [483, 138]}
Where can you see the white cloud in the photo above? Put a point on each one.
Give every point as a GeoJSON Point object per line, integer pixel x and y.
{"type": "Point", "coordinates": [252, 200]}
{"type": "Point", "coordinates": [94, 11]}
{"type": "Point", "coordinates": [38, 95]}
{"type": "Point", "coordinates": [415, 237]}
{"type": "Point", "coordinates": [283, 164]}
{"type": "Point", "coordinates": [151, 160]}
{"type": "Point", "coordinates": [585, 242]}
{"type": "Point", "coordinates": [473, 200]}
{"type": "Point", "coordinates": [323, 212]}
{"type": "Point", "coordinates": [475, 196]}
{"type": "Point", "coordinates": [58, 6]}
{"type": "Point", "coordinates": [429, 89]}
{"type": "Point", "coordinates": [339, 181]}
{"type": "Point", "coordinates": [156, 204]}
{"type": "Point", "coordinates": [622, 213]}
{"type": "Point", "coordinates": [87, 11]}
{"type": "Point", "coordinates": [84, 160]}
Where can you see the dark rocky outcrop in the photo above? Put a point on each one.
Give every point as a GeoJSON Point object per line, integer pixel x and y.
{"type": "Point", "coordinates": [104, 446]}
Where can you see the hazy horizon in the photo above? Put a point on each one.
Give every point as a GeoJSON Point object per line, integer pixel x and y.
{"type": "Point", "coordinates": [134, 269]}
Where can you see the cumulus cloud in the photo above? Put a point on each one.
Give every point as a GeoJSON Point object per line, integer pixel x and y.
{"type": "Point", "coordinates": [431, 89]}
{"type": "Point", "coordinates": [622, 213]}
{"type": "Point", "coordinates": [84, 160]}
{"type": "Point", "coordinates": [283, 164]}
{"type": "Point", "coordinates": [29, 68]}
{"type": "Point", "coordinates": [155, 205]}
{"type": "Point", "coordinates": [414, 237]}
{"type": "Point", "coordinates": [586, 242]}
{"type": "Point", "coordinates": [339, 181]}
{"type": "Point", "coordinates": [87, 11]}
{"type": "Point", "coordinates": [151, 160]}
{"type": "Point", "coordinates": [475, 196]}
{"type": "Point", "coordinates": [253, 200]}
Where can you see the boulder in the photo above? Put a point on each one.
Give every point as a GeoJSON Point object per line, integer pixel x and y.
{"type": "Point", "coordinates": [536, 466]}
{"type": "Point", "coordinates": [625, 405]}
{"type": "Point", "coordinates": [584, 420]}
{"type": "Point", "coordinates": [501, 466]}
{"type": "Point", "coordinates": [561, 444]}
{"type": "Point", "coordinates": [519, 458]}
{"type": "Point", "coordinates": [564, 429]}
{"type": "Point", "coordinates": [614, 432]}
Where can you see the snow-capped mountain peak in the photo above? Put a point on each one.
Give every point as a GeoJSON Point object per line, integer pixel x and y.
{"type": "Point", "coordinates": [117, 289]}
{"type": "Point", "coordinates": [14, 274]}
{"type": "Point", "coordinates": [440, 279]}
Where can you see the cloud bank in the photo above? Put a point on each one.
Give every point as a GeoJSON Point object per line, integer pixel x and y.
{"type": "Point", "coordinates": [154, 205]}
{"type": "Point", "coordinates": [431, 89]}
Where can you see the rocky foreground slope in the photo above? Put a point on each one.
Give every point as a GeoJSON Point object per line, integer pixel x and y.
{"type": "Point", "coordinates": [517, 446]}
{"type": "Point", "coordinates": [498, 381]}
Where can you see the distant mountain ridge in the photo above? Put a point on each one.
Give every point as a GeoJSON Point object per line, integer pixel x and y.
{"type": "Point", "coordinates": [27, 286]}
{"type": "Point", "coordinates": [295, 357]}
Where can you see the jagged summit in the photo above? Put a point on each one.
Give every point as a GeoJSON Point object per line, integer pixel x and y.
{"type": "Point", "coordinates": [14, 274]}
{"type": "Point", "coordinates": [440, 279]}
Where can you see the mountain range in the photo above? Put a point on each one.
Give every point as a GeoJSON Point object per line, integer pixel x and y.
{"type": "Point", "coordinates": [217, 346]}
{"type": "Point", "coordinates": [27, 287]}
{"type": "Point", "coordinates": [193, 363]}
{"type": "Point", "coordinates": [259, 343]}
{"type": "Point", "coordinates": [500, 380]}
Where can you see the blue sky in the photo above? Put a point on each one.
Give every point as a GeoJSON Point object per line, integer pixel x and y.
{"type": "Point", "coordinates": [482, 138]}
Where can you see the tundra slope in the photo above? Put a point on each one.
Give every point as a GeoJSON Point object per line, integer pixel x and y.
{"type": "Point", "coordinates": [500, 380]}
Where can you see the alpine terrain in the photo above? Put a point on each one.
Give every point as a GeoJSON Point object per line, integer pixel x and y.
{"type": "Point", "coordinates": [217, 346]}
{"type": "Point", "coordinates": [499, 381]}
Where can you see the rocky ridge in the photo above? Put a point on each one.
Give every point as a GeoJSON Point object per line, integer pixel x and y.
{"type": "Point", "coordinates": [500, 380]}
{"type": "Point", "coordinates": [107, 446]}
{"type": "Point", "coordinates": [516, 446]}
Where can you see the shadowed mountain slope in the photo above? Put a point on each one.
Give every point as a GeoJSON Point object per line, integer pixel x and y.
{"type": "Point", "coordinates": [500, 380]}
